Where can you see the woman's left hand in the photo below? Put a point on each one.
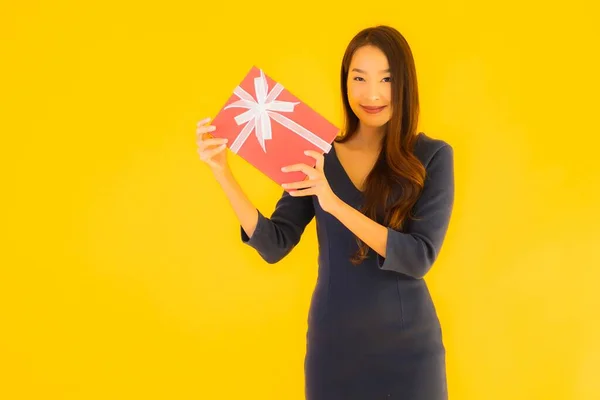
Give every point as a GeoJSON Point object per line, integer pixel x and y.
{"type": "Point", "coordinates": [316, 184]}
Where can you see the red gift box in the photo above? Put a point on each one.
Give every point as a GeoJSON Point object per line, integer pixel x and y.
{"type": "Point", "coordinates": [270, 128]}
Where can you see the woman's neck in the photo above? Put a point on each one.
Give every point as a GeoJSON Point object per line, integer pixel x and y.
{"type": "Point", "coordinates": [368, 137]}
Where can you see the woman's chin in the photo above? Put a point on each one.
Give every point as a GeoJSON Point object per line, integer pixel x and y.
{"type": "Point", "coordinates": [373, 121]}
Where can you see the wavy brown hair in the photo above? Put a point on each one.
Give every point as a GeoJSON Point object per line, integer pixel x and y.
{"type": "Point", "coordinates": [397, 178]}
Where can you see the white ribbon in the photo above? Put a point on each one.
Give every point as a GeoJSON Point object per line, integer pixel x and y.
{"type": "Point", "coordinates": [264, 109]}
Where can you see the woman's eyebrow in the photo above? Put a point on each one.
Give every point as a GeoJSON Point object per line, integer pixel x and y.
{"type": "Point", "coordinates": [360, 71]}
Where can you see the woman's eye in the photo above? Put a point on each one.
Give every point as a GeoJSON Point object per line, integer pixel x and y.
{"type": "Point", "coordinates": [387, 79]}
{"type": "Point", "coordinates": [356, 78]}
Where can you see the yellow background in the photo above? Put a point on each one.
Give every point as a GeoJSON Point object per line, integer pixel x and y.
{"type": "Point", "coordinates": [122, 271]}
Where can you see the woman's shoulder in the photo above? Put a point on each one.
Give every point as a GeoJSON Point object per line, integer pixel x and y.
{"type": "Point", "coordinates": [427, 146]}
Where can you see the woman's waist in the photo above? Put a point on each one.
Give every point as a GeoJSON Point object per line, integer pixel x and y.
{"type": "Point", "coordinates": [389, 301]}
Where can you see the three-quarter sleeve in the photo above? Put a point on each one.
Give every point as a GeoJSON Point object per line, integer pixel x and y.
{"type": "Point", "coordinates": [413, 251]}
{"type": "Point", "coordinates": [275, 236]}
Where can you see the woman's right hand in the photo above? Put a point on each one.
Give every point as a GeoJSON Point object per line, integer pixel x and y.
{"type": "Point", "coordinates": [211, 150]}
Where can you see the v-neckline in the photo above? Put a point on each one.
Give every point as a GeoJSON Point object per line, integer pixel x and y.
{"type": "Point", "coordinates": [345, 173]}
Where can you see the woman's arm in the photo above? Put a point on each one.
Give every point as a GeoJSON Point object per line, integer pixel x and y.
{"type": "Point", "coordinates": [272, 237]}
{"type": "Point", "coordinates": [413, 251]}
{"type": "Point", "coordinates": [245, 211]}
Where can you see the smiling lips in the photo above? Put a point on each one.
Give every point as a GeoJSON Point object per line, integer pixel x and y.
{"type": "Point", "coordinates": [372, 109]}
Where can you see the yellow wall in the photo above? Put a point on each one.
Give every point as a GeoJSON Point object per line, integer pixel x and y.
{"type": "Point", "coordinates": [123, 275]}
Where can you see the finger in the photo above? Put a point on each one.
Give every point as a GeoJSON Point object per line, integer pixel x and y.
{"type": "Point", "coordinates": [302, 184]}
{"type": "Point", "coordinates": [206, 143]}
{"type": "Point", "coordinates": [320, 160]}
{"type": "Point", "coordinates": [203, 121]}
{"type": "Point", "coordinates": [309, 171]}
{"type": "Point", "coordinates": [209, 154]}
{"type": "Point", "coordinates": [201, 130]}
{"type": "Point", "coordinates": [302, 192]}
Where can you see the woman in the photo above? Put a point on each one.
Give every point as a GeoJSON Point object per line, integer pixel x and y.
{"type": "Point", "coordinates": [382, 199]}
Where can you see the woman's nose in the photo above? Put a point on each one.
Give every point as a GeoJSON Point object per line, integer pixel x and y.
{"type": "Point", "coordinates": [373, 93]}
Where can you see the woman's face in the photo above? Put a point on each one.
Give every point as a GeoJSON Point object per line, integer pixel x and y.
{"type": "Point", "coordinates": [370, 87]}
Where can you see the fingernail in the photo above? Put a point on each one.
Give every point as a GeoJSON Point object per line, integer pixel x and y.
{"type": "Point", "coordinates": [306, 152]}
{"type": "Point", "coordinates": [284, 185]}
{"type": "Point", "coordinates": [283, 169]}
{"type": "Point", "coordinates": [212, 128]}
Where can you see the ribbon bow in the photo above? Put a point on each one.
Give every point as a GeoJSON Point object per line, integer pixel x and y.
{"type": "Point", "coordinates": [262, 110]}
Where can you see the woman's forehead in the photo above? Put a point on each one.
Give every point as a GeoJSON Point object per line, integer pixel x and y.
{"type": "Point", "coordinates": [369, 59]}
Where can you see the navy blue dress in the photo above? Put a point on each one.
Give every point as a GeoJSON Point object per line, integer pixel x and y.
{"type": "Point", "coordinates": [373, 331]}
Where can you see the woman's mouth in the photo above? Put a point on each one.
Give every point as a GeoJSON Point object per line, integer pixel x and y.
{"type": "Point", "coordinates": [371, 109]}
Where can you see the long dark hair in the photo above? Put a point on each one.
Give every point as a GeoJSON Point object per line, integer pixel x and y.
{"type": "Point", "coordinates": [397, 166]}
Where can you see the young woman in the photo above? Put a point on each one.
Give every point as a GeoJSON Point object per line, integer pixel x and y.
{"type": "Point", "coordinates": [382, 199]}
